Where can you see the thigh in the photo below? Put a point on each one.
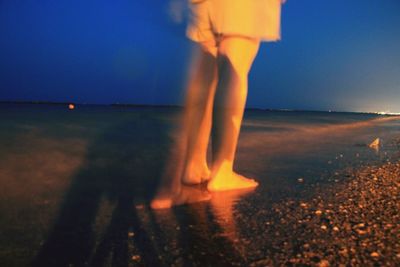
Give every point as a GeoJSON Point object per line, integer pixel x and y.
{"type": "Point", "coordinates": [240, 51]}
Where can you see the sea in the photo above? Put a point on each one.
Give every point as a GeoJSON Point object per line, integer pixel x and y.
{"type": "Point", "coordinates": [273, 145]}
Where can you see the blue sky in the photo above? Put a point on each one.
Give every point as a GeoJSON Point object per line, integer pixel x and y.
{"type": "Point", "coordinates": [334, 54]}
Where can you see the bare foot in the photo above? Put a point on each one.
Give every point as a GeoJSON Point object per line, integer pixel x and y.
{"type": "Point", "coordinates": [187, 195]}
{"type": "Point", "coordinates": [229, 180]}
{"type": "Point", "coordinates": [194, 176]}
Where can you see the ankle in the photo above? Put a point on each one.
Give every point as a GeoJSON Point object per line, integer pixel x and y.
{"type": "Point", "coordinates": [223, 167]}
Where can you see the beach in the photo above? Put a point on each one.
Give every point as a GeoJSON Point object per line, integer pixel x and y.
{"type": "Point", "coordinates": [76, 187]}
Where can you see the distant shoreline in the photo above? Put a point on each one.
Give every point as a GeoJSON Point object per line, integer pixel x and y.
{"type": "Point", "coordinates": [127, 105]}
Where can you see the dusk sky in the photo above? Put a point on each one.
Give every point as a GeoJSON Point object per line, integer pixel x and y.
{"type": "Point", "coordinates": [334, 55]}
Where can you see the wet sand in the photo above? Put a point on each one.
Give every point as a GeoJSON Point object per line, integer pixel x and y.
{"type": "Point", "coordinates": [76, 186]}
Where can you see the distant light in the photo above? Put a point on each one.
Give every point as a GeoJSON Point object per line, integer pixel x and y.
{"type": "Point", "coordinates": [387, 113]}
{"type": "Point", "coordinates": [71, 106]}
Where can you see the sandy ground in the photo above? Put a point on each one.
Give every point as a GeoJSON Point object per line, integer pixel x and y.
{"type": "Point", "coordinates": [353, 221]}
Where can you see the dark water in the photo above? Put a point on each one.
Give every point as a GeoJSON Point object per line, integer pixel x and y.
{"type": "Point", "coordinates": [75, 184]}
{"type": "Point", "coordinates": [284, 146]}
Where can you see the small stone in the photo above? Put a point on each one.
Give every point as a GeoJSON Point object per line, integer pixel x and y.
{"type": "Point", "coordinates": [323, 263]}
{"type": "Point", "coordinates": [374, 254]}
{"type": "Point", "coordinates": [360, 225]}
{"type": "Point", "coordinates": [294, 261]}
{"type": "Point", "coordinates": [361, 232]}
{"type": "Point", "coordinates": [136, 257]}
{"type": "Point", "coordinates": [343, 252]}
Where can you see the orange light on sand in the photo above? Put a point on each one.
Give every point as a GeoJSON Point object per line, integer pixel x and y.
{"type": "Point", "coordinates": [223, 205]}
{"type": "Point", "coordinates": [71, 106]}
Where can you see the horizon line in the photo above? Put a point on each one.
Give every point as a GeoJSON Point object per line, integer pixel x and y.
{"type": "Point", "coordinates": [117, 104]}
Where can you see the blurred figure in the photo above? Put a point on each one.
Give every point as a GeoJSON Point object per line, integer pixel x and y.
{"type": "Point", "coordinates": [228, 35]}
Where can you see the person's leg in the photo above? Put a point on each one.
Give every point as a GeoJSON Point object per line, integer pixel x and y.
{"type": "Point", "coordinates": [198, 114]}
{"type": "Point", "coordinates": [187, 161]}
{"type": "Point", "coordinates": [236, 55]}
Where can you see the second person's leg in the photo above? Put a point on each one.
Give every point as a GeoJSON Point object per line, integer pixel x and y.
{"type": "Point", "coordinates": [236, 55]}
{"type": "Point", "coordinates": [198, 110]}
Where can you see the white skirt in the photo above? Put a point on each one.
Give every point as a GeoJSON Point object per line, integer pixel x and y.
{"type": "Point", "coordinates": [249, 18]}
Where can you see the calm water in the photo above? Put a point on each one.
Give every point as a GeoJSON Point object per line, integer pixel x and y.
{"type": "Point", "coordinates": [276, 148]}
{"type": "Point", "coordinates": [80, 172]}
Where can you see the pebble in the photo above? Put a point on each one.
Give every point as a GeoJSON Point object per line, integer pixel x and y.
{"type": "Point", "coordinates": [136, 257]}
{"type": "Point", "coordinates": [303, 205]}
{"type": "Point", "coordinates": [361, 232]}
{"type": "Point", "coordinates": [323, 263]}
{"type": "Point", "coordinates": [360, 225]}
{"type": "Point", "coordinates": [374, 254]}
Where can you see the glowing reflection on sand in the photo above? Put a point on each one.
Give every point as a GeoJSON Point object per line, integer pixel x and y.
{"type": "Point", "coordinates": [223, 206]}
{"type": "Point", "coordinates": [209, 223]}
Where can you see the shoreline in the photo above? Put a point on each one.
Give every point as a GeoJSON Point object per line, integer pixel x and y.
{"type": "Point", "coordinates": [176, 106]}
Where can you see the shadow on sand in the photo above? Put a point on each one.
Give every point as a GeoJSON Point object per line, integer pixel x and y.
{"type": "Point", "coordinates": [123, 165]}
